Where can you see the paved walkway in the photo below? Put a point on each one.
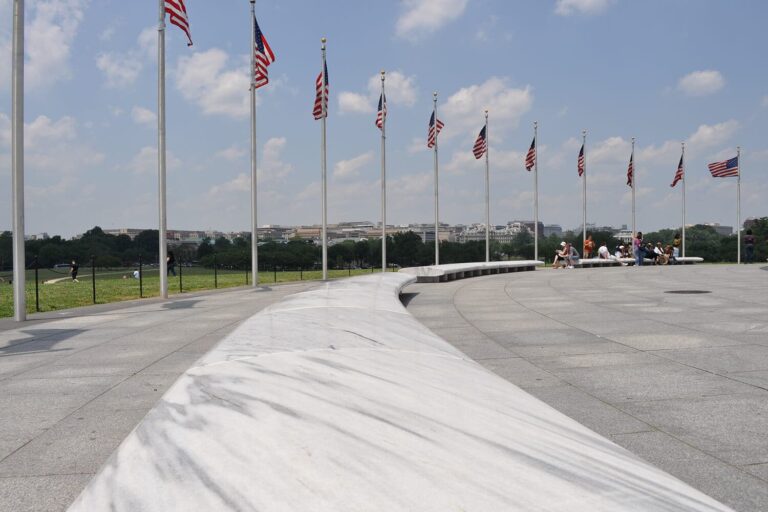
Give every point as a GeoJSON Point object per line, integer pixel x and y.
{"type": "Point", "coordinates": [73, 384]}
{"type": "Point", "coordinates": [679, 379]}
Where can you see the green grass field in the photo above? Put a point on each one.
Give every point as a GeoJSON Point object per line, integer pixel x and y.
{"type": "Point", "coordinates": [118, 285]}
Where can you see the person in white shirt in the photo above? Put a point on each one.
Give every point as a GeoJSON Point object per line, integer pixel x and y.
{"type": "Point", "coordinates": [603, 253]}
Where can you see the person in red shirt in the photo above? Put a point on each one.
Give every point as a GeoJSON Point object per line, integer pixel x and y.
{"type": "Point", "coordinates": [589, 247]}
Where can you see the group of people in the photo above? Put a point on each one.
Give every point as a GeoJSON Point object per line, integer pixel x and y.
{"type": "Point", "coordinates": [659, 254]}
{"type": "Point", "coordinates": [567, 256]}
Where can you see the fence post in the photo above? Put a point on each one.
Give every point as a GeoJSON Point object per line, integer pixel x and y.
{"type": "Point", "coordinates": [215, 273]}
{"type": "Point", "coordinates": [274, 273]}
{"type": "Point", "coordinates": [246, 277]}
{"type": "Point", "coordinates": [93, 276]}
{"type": "Point", "coordinates": [181, 279]}
{"type": "Point", "coordinates": [37, 290]}
{"type": "Point", "coordinates": [301, 273]}
{"type": "Point", "coordinates": [141, 279]}
{"type": "Point", "coordinates": [349, 270]}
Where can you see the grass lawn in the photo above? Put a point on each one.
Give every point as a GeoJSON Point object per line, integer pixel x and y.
{"type": "Point", "coordinates": [118, 284]}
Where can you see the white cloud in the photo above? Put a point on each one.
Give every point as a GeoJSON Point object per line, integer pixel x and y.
{"type": "Point", "coordinates": [147, 41]}
{"type": "Point", "coordinates": [400, 88]}
{"type": "Point", "coordinates": [204, 79]}
{"type": "Point", "coordinates": [107, 34]}
{"type": "Point", "coordinates": [141, 115]}
{"type": "Point", "coordinates": [49, 39]}
{"type": "Point", "coordinates": [701, 83]}
{"type": "Point", "coordinates": [712, 135]}
{"type": "Point", "coordinates": [569, 7]}
{"type": "Point", "coordinates": [120, 70]}
{"type": "Point", "coordinates": [241, 183]}
{"type": "Point", "coordinates": [231, 153]}
{"type": "Point", "coordinates": [423, 17]}
{"type": "Point", "coordinates": [43, 131]}
{"type": "Point", "coordinates": [145, 161]}
{"type": "Point", "coordinates": [464, 109]}
{"type": "Point", "coordinates": [352, 102]}
{"type": "Point", "coordinates": [272, 166]}
{"type": "Point", "coordinates": [351, 167]}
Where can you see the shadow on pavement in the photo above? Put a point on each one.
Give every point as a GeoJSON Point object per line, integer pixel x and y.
{"type": "Point", "coordinates": [42, 340]}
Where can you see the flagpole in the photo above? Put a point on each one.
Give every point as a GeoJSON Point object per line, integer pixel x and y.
{"type": "Point", "coordinates": [162, 264]}
{"type": "Point", "coordinates": [536, 190]}
{"type": "Point", "coordinates": [738, 206]}
{"type": "Point", "coordinates": [254, 148]}
{"type": "Point", "coordinates": [683, 230]}
{"type": "Point", "coordinates": [17, 164]}
{"type": "Point", "coordinates": [437, 201]}
{"type": "Point", "coordinates": [634, 185]}
{"type": "Point", "coordinates": [584, 191]}
{"type": "Point", "coordinates": [487, 193]}
{"type": "Point", "coordinates": [324, 199]}
{"type": "Point", "coordinates": [383, 179]}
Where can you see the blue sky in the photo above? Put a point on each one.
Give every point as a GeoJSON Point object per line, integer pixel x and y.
{"type": "Point", "coordinates": [662, 71]}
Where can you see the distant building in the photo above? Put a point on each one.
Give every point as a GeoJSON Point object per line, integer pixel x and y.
{"type": "Point", "coordinates": [719, 229]}
{"type": "Point", "coordinates": [552, 229]}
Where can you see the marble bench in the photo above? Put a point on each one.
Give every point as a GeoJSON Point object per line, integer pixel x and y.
{"type": "Point", "coordinates": [452, 271]}
{"type": "Point", "coordinates": [337, 399]}
{"type": "Point", "coordinates": [615, 262]}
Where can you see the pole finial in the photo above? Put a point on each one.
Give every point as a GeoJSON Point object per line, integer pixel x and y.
{"type": "Point", "coordinates": [323, 40]}
{"type": "Point", "coordinates": [434, 95]}
{"type": "Point", "coordinates": [584, 132]}
{"type": "Point", "coordinates": [382, 74]}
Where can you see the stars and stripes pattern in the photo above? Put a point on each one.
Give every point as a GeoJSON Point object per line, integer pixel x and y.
{"type": "Point", "coordinates": [177, 14]}
{"type": "Point", "coordinates": [631, 171]}
{"type": "Point", "coordinates": [434, 129]}
{"type": "Point", "coordinates": [679, 173]}
{"type": "Point", "coordinates": [530, 158]}
{"type": "Point", "coordinates": [725, 169]}
{"type": "Point", "coordinates": [263, 56]}
{"type": "Point", "coordinates": [381, 114]}
{"type": "Point", "coordinates": [580, 164]}
{"type": "Point", "coordinates": [481, 145]}
{"type": "Point", "coordinates": [320, 109]}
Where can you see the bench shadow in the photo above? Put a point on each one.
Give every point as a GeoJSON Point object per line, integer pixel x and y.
{"type": "Point", "coordinates": [42, 340]}
{"type": "Point", "coordinates": [406, 298]}
{"type": "Point", "coordinates": [180, 304]}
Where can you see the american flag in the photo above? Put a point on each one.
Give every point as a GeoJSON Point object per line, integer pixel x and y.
{"type": "Point", "coordinates": [631, 170]}
{"type": "Point", "coordinates": [178, 16]}
{"type": "Point", "coordinates": [725, 169]}
{"type": "Point", "coordinates": [381, 115]}
{"type": "Point", "coordinates": [481, 146]}
{"type": "Point", "coordinates": [320, 109]}
{"type": "Point", "coordinates": [262, 57]}
{"type": "Point", "coordinates": [433, 131]}
{"type": "Point", "coordinates": [530, 158]}
{"type": "Point", "coordinates": [580, 165]}
{"type": "Point", "coordinates": [679, 173]}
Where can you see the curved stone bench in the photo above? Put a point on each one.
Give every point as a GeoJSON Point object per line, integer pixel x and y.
{"type": "Point", "coordinates": [688, 260]}
{"type": "Point", "coordinates": [452, 271]}
{"type": "Point", "coordinates": [337, 399]}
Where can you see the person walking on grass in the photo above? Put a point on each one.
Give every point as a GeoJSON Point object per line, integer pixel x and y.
{"type": "Point", "coordinates": [73, 268]}
{"type": "Point", "coordinates": [171, 260]}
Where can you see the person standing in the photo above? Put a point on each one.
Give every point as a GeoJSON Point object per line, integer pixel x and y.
{"type": "Point", "coordinates": [638, 251]}
{"type": "Point", "coordinates": [749, 246]}
{"type": "Point", "coordinates": [589, 247]}
{"type": "Point", "coordinates": [73, 268]}
{"type": "Point", "coordinates": [676, 245]}
{"type": "Point", "coordinates": [171, 261]}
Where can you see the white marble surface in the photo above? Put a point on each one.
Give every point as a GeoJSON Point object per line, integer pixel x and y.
{"type": "Point", "coordinates": [452, 268]}
{"type": "Point", "coordinates": [648, 261]}
{"type": "Point", "coordinates": [338, 400]}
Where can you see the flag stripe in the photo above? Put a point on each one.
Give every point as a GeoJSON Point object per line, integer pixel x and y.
{"type": "Point", "coordinates": [320, 109]}
{"type": "Point", "coordinates": [725, 169]}
{"type": "Point", "coordinates": [679, 173]}
{"type": "Point", "coordinates": [580, 164]}
{"type": "Point", "coordinates": [631, 171]}
{"type": "Point", "coordinates": [481, 145]}
{"type": "Point", "coordinates": [381, 114]}
{"type": "Point", "coordinates": [432, 132]}
{"type": "Point", "coordinates": [530, 158]}
{"type": "Point", "coordinates": [263, 56]}
{"type": "Point", "coordinates": [177, 15]}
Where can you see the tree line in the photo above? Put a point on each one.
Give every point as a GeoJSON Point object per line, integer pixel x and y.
{"type": "Point", "coordinates": [404, 249]}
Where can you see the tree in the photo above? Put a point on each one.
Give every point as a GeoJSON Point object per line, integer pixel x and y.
{"type": "Point", "coordinates": [204, 249]}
